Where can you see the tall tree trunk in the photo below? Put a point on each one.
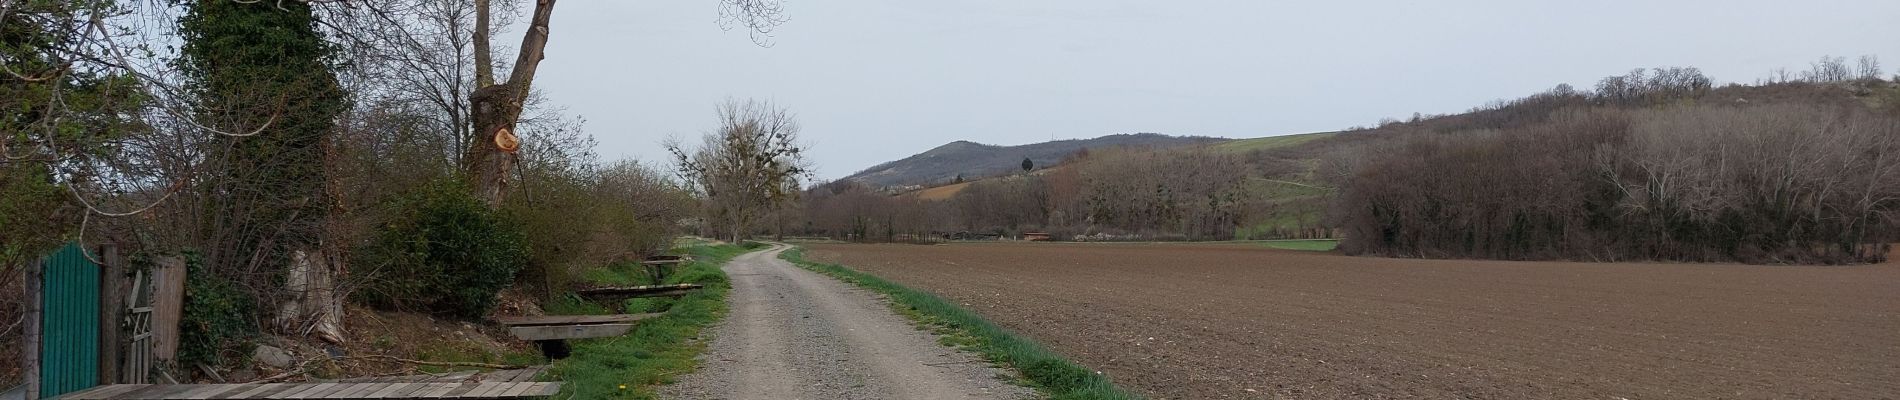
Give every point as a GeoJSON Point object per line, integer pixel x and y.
{"type": "Point", "coordinates": [497, 107]}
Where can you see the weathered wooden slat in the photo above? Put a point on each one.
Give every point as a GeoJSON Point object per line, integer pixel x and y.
{"type": "Point", "coordinates": [517, 390]}
{"type": "Point", "coordinates": [437, 390]}
{"type": "Point", "coordinates": [575, 319]}
{"type": "Point", "coordinates": [159, 391]}
{"type": "Point", "coordinates": [528, 375]}
{"type": "Point", "coordinates": [207, 392]}
{"type": "Point", "coordinates": [349, 390]}
{"type": "Point", "coordinates": [103, 392]}
{"type": "Point", "coordinates": [455, 390]}
{"type": "Point", "coordinates": [260, 391]}
{"type": "Point", "coordinates": [482, 389]}
{"type": "Point", "coordinates": [331, 390]}
{"type": "Point", "coordinates": [544, 389]}
{"type": "Point", "coordinates": [287, 390]}
{"type": "Point", "coordinates": [532, 333]}
{"type": "Point", "coordinates": [235, 390]}
{"type": "Point", "coordinates": [391, 390]}
{"type": "Point", "coordinates": [597, 294]}
{"type": "Point", "coordinates": [400, 390]}
{"type": "Point", "coordinates": [501, 376]}
{"type": "Point", "coordinates": [308, 392]}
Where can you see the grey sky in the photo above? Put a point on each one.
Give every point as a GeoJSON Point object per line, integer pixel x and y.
{"type": "Point", "coordinates": [873, 81]}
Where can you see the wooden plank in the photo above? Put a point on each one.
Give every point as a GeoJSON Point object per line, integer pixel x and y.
{"type": "Point", "coordinates": [638, 291]}
{"type": "Point", "coordinates": [259, 391]}
{"type": "Point", "coordinates": [391, 390]}
{"type": "Point", "coordinates": [103, 392]}
{"type": "Point", "coordinates": [236, 390]}
{"type": "Point", "coordinates": [168, 301]}
{"type": "Point", "coordinates": [160, 391]}
{"type": "Point", "coordinates": [350, 390]}
{"type": "Point", "coordinates": [479, 389]}
{"type": "Point", "coordinates": [207, 391]}
{"type": "Point", "coordinates": [413, 391]}
{"type": "Point", "coordinates": [303, 391]}
{"type": "Point", "coordinates": [436, 390]}
{"type": "Point", "coordinates": [323, 389]}
{"type": "Point", "coordinates": [500, 376]}
{"type": "Point", "coordinates": [490, 390]}
{"type": "Point", "coordinates": [500, 387]}
{"type": "Point", "coordinates": [544, 389]}
{"type": "Point", "coordinates": [532, 333]}
{"type": "Point", "coordinates": [456, 390]}
{"type": "Point", "coordinates": [531, 374]}
{"type": "Point", "coordinates": [575, 319]}
{"type": "Point", "coordinates": [30, 344]}
{"type": "Point", "coordinates": [518, 390]}
{"type": "Point", "coordinates": [452, 377]}
{"type": "Point", "coordinates": [111, 313]}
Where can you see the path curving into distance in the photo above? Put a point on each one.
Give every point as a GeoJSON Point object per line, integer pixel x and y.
{"type": "Point", "coordinates": [795, 334]}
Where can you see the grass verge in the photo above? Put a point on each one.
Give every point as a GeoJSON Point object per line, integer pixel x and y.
{"type": "Point", "coordinates": [1041, 368]}
{"type": "Point", "coordinates": [1303, 244]}
{"type": "Point", "coordinates": [634, 365]}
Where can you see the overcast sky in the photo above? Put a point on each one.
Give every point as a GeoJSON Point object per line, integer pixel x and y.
{"type": "Point", "coordinates": [873, 81]}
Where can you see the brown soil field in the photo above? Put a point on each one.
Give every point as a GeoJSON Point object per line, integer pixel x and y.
{"type": "Point", "coordinates": [1239, 321]}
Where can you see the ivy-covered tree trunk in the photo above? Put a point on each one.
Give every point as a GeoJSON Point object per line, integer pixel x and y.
{"type": "Point", "coordinates": [262, 71]}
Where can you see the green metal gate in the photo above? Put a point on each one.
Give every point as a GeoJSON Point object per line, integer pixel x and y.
{"type": "Point", "coordinates": [69, 351]}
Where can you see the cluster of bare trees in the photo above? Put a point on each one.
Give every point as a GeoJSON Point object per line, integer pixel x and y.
{"type": "Point", "coordinates": [1829, 69]}
{"type": "Point", "coordinates": [1179, 194]}
{"type": "Point", "coordinates": [1806, 174]}
{"type": "Point", "coordinates": [1654, 84]}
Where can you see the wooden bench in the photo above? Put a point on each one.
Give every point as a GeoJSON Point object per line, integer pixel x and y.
{"type": "Point", "coordinates": [552, 332]}
{"type": "Point", "coordinates": [386, 390]}
{"type": "Point", "coordinates": [658, 267]}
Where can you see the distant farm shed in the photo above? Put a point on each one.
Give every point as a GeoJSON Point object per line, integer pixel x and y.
{"type": "Point", "coordinates": [1036, 236]}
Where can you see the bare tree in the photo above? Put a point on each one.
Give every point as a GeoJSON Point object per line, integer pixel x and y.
{"type": "Point", "coordinates": [497, 106]}
{"type": "Point", "coordinates": [1869, 67]}
{"type": "Point", "coordinates": [1827, 69]}
{"type": "Point", "coordinates": [752, 166]}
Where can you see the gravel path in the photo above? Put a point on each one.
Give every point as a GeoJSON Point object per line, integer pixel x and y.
{"type": "Point", "coordinates": [795, 334]}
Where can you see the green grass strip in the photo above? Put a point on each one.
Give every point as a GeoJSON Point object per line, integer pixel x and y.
{"type": "Point", "coordinates": [1041, 368]}
{"type": "Point", "coordinates": [633, 366]}
{"type": "Point", "coordinates": [1303, 244]}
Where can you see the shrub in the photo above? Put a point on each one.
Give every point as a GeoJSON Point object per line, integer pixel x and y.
{"type": "Point", "coordinates": [215, 318]}
{"type": "Point", "coordinates": [444, 252]}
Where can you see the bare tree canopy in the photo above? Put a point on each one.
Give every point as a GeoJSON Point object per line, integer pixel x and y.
{"type": "Point", "coordinates": [751, 166]}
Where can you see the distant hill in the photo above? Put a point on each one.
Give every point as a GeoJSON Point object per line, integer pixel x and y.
{"type": "Point", "coordinates": [976, 160]}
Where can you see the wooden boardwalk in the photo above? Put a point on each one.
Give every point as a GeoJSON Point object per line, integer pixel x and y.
{"type": "Point", "coordinates": [396, 390]}
{"type": "Point", "coordinates": [505, 375]}
{"type": "Point", "coordinates": [503, 384]}
{"type": "Point", "coordinates": [608, 294]}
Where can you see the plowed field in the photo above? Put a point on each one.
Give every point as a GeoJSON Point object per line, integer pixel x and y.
{"type": "Point", "coordinates": [1241, 321]}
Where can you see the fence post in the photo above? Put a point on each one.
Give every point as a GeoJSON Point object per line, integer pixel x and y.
{"type": "Point", "coordinates": [31, 346]}
{"type": "Point", "coordinates": [111, 312]}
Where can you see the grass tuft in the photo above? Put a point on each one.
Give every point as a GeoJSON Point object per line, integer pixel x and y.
{"type": "Point", "coordinates": [1041, 368]}
{"type": "Point", "coordinates": [634, 365]}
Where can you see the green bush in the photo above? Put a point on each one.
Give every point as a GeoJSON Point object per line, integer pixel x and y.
{"type": "Point", "coordinates": [443, 252]}
{"type": "Point", "coordinates": [215, 319]}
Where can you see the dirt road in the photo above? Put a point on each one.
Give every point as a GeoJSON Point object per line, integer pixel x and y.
{"type": "Point", "coordinates": [795, 334]}
{"type": "Point", "coordinates": [1199, 321]}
